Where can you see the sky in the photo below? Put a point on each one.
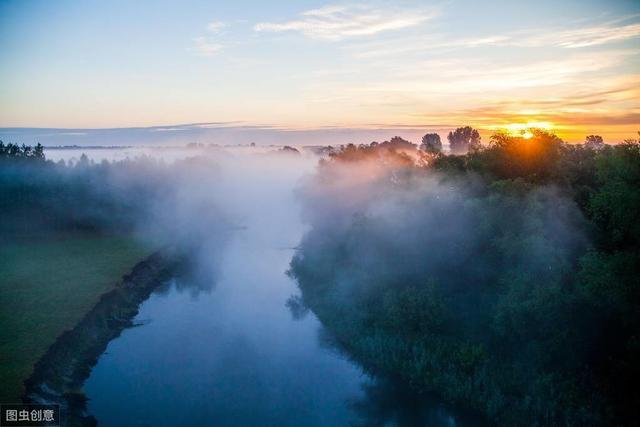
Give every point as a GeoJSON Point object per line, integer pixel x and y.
{"type": "Point", "coordinates": [570, 66]}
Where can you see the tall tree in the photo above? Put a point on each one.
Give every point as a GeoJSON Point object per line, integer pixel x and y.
{"type": "Point", "coordinates": [594, 141]}
{"type": "Point", "coordinates": [464, 139]}
{"type": "Point", "coordinates": [431, 143]}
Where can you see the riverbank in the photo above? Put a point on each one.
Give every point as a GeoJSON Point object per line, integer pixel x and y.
{"type": "Point", "coordinates": [49, 281]}
{"type": "Point", "coordinates": [58, 376]}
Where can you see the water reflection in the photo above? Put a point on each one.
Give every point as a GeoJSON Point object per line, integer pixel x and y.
{"type": "Point", "coordinates": [385, 401]}
{"type": "Point", "coordinates": [297, 308]}
{"type": "Point", "coordinates": [388, 403]}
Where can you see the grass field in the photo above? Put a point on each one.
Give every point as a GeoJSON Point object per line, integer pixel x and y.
{"type": "Point", "coordinates": [46, 286]}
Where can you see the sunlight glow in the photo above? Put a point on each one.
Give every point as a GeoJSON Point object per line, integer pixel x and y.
{"type": "Point", "coordinates": [524, 130]}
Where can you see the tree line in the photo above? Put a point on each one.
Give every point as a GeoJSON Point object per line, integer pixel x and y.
{"type": "Point", "coordinates": [12, 151]}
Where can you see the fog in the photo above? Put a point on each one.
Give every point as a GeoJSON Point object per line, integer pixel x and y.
{"type": "Point", "coordinates": [191, 199]}
{"type": "Point", "coordinates": [416, 222]}
{"type": "Point", "coordinates": [419, 222]}
{"type": "Point", "coordinates": [449, 281]}
{"type": "Point", "coordinates": [197, 199]}
{"type": "Point", "coordinates": [234, 354]}
{"type": "Point", "coordinates": [219, 336]}
{"type": "Point", "coordinates": [293, 259]}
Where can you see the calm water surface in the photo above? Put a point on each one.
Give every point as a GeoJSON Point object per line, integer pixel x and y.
{"type": "Point", "coordinates": [226, 351]}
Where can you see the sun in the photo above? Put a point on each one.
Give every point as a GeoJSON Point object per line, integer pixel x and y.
{"type": "Point", "coordinates": [525, 130]}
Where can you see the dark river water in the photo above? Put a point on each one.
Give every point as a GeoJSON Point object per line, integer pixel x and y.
{"type": "Point", "coordinates": [226, 350]}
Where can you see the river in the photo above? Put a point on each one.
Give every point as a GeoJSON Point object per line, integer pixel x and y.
{"type": "Point", "coordinates": [225, 350]}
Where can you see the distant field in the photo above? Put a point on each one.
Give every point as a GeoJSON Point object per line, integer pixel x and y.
{"type": "Point", "coordinates": [46, 286]}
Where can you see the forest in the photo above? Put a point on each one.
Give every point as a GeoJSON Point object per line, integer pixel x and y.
{"type": "Point", "coordinates": [504, 279]}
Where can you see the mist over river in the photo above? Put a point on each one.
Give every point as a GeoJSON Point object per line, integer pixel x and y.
{"type": "Point", "coordinates": [320, 214]}
{"type": "Point", "coordinates": [220, 346]}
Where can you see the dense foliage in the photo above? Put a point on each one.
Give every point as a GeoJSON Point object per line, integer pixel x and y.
{"type": "Point", "coordinates": [39, 196]}
{"type": "Point", "coordinates": [505, 280]}
{"type": "Point", "coordinates": [431, 143]}
{"type": "Point", "coordinates": [464, 139]}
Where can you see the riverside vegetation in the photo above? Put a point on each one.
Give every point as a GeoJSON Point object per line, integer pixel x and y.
{"type": "Point", "coordinates": [505, 280]}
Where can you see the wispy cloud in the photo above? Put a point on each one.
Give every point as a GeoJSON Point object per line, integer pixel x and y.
{"type": "Point", "coordinates": [489, 92]}
{"type": "Point", "coordinates": [481, 76]}
{"type": "Point", "coordinates": [210, 44]}
{"type": "Point", "coordinates": [216, 26]}
{"type": "Point", "coordinates": [574, 38]}
{"type": "Point", "coordinates": [429, 43]}
{"type": "Point", "coordinates": [336, 22]}
{"type": "Point", "coordinates": [585, 106]}
{"type": "Point", "coordinates": [205, 46]}
{"type": "Point", "coordinates": [582, 37]}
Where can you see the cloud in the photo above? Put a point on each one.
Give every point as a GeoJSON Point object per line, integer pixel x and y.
{"type": "Point", "coordinates": [602, 106]}
{"type": "Point", "coordinates": [548, 37]}
{"type": "Point", "coordinates": [583, 37]}
{"type": "Point", "coordinates": [481, 76]}
{"type": "Point", "coordinates": [209, 45]}
{"type": "Point", "coordinates": [488, 91]}
{"type": "Point", "coordinates": [336, 22]}
{"type": "Point", "coordinates": [204, 46]}
{"type": "Point", "coordinates": [430, 43]}
{"type": "Point", "coordinates": [216, 26]}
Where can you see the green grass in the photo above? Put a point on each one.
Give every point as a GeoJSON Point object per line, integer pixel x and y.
{"type": "Point", "coordinates": [46, 286]}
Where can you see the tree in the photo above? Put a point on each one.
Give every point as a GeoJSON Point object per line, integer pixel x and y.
{"type": "Point", "coordinates": [633, 141]}
{"type": "Point", "coordinates": [289, 149]}
{"type": "Point", "coordinates": [397, 143]}
{"type": "Point", "coordinates": [616, 203]}
{"type": "Point", "coordinates": [535, 159]}
{"type": "Point", "coordinates": [431, 143]}
{"type": "Point", "coordinates": [464, 139]}
{"type": "Point", "coordinates": [38, 152]}
{"type": "Point", "coordinates": [594, 142]}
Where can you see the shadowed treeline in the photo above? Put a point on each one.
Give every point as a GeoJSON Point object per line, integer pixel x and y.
{"type": "Point", "coordinates": [147, 197]}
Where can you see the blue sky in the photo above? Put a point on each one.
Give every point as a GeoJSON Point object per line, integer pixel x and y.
{"type": "Point", "coordinates": [571, 65]}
